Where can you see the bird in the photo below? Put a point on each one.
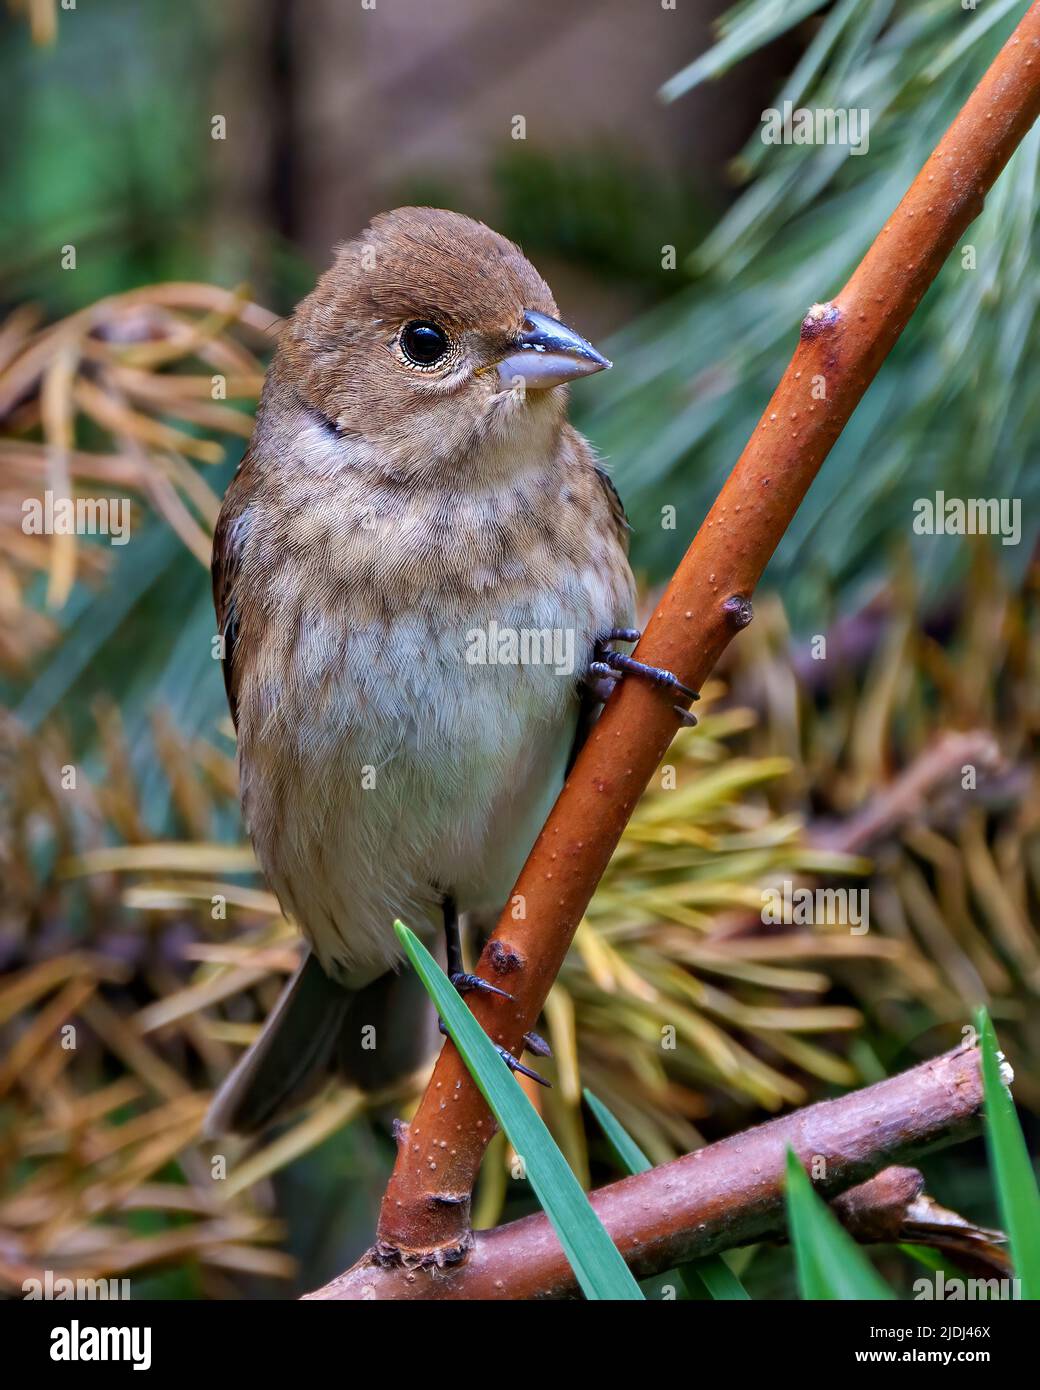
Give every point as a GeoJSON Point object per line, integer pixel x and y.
{"type": "Point", "coordinates": [421, 582]}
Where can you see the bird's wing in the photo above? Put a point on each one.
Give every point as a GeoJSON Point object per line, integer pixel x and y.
{"type": "Point", "coordinates": [617, 507]}
{"type": "Point", "coordinates": [590, 704]}
{"type": "Point", "coordinates": [588, 712]}
{"type": "Point", "coordinates": [224, 567]}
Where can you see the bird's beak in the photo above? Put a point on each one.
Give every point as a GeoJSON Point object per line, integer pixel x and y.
{"type": "Point", "coordinates": [548, 353]}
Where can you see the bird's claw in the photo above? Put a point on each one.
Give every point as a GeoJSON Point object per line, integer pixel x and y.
{"type": "Point", "coordinates": [608, 666]}
{"type": "Point", "coordinates": [513, 1065]}
{"type": "Point", "coordinates": [465, 983]}
{"type": "Point", "coordinates": [534, 1042]}
{"type": "Point", "coordinates": [617, 661]}
{"type": "Point", "coordinates": [531, 1040]}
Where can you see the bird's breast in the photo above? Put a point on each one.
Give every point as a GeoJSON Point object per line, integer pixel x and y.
{"type": "Point", "coordinates": [407, 665]}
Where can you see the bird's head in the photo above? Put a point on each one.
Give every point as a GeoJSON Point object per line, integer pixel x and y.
{"type": "Point", "coordinates": [434, 339]}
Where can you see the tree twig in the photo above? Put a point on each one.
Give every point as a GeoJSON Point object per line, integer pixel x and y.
{"type": "Point", "coordinates": [909, 793]}
{"type": "Point", "coordinates": [424, 1219]}
{"type": "Point", "coordinates": [728, 1194]}
{"type": "Point", "coordinates": [893, 1208]}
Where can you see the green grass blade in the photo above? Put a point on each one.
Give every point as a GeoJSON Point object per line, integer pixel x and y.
{"type": "Point", "coordinates": [593, 1256]}
{"type": "Point", "coordinates": [712, 1272]}
{"type": "Point", "coordinates": [715, 1274]}
{"type": "Point", "coordinates": [829, 1262]}
{"type": "Point", "coordinates": [1012, 1169]}
{"type": "Point", "coordinates": [629, 1155]}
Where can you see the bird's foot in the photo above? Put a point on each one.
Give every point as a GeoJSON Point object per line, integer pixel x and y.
{"type": "Point", "coordinates": [534, 1042]}
{"type": "Point", "coordinates": [466, 983]}
{"type": "Point", "coordinates": [514, 1065]}
{"type": "Point", "coordinates": [608, 666]}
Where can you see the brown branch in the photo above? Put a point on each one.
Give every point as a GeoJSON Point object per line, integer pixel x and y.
{"type": "Point", "coordinates": [909, 793]}
{"type": "Point", "coordinates": [728, 1194]}
{"type": "Point", "coordinates": [894, 1208]}
{"type": "Point", "coordinates": [425, 1212]}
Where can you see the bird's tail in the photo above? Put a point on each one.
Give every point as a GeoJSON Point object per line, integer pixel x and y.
{"type": "Point", "coordinates": [372, 1037]}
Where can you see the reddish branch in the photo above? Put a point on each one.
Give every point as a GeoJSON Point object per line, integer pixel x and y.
{"type": "Point", "coordinates": [894, 1208]}
{"type": "Point", "coordinates": [728, 1194]}
{"type": "Point", "coordinates": [425, 1213]}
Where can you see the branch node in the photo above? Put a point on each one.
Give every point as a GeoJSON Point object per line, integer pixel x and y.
{"type": "Point", "coordinates": [874, 1211]}
{"type": "Point", "coordinates": [738, 611]}
{"type": "Point", "coordinates": [440, 1257]}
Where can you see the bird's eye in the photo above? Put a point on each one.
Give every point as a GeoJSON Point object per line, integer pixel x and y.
{"type": "Point", "coordinates": [423, 343]}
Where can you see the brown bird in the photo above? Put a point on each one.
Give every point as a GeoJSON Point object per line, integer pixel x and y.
{"type": "Point", "coordinates": [418, 570]}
